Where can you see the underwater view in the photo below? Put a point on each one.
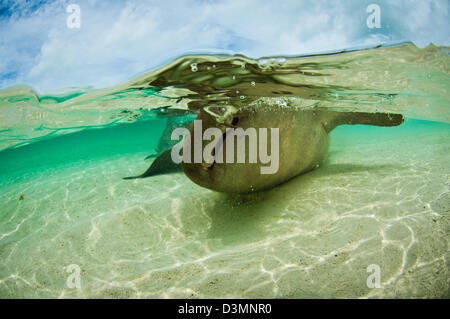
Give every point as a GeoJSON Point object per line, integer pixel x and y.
{"type": "Point", "coordinates": [358, 205]}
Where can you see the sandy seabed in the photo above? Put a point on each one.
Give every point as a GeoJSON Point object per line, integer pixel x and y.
{"type": "Point", "coordinates": [381, 197]}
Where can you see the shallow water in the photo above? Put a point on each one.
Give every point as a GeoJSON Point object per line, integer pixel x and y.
{"type": "Point", "coordinates": [381, 197]}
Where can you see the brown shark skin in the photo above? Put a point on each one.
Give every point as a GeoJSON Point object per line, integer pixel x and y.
{"type": "Point", "coordinates": [303, 145]}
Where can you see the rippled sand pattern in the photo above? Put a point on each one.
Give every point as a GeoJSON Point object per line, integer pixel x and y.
{"type": "Point", "coordinates": [382, 197]}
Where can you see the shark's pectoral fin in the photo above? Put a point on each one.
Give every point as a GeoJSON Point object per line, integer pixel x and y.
{"type": "Point", "coordinates": [150, 156]}
{"type": "Point", "coordinates": [163, 164]}
{"type": "Point", "coordinates": [333, 119]}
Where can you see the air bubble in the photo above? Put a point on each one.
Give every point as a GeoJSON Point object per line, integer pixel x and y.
{"type": "Point", "coordinates": [242, 97]}
{"type": "Point", "coordinates": [253, 83]}
{"type": "Point", "coordinates": [194, 67]}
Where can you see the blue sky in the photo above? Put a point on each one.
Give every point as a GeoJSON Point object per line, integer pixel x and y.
{"type": "Point", "coordinates": [119, 39]}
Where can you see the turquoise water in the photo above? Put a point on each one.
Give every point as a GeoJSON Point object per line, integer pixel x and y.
{"type": "Point", "coordinates": [123, 139]}
{"type": "Point", "coordinates": [88, 144]}
{"type": "Point", "coordinates": [381, 197]}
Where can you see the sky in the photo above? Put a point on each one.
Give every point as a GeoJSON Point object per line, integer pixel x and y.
{"type": "Point", "coordinates": [116, 40]}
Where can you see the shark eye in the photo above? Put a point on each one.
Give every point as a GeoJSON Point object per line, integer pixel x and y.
{"type": "Point", "coordinates": [235, 121]}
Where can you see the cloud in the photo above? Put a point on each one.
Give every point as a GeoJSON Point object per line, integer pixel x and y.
{"type": "Point", "coordinates": [117, 40]}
